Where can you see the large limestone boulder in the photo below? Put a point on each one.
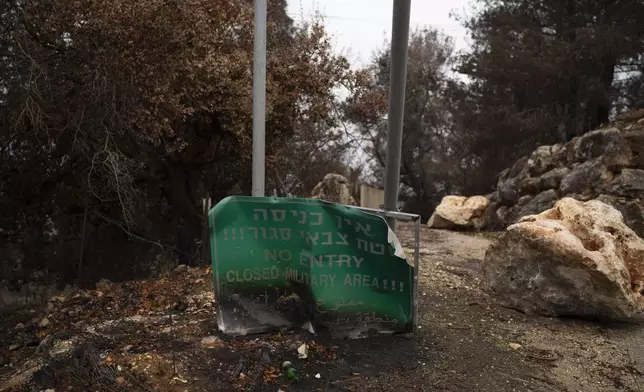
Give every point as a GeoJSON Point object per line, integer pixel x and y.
{"type": "Point", "coordinates": [460, 212]}
{"type": "Point", "coordinates": [333, 188]}
{"type": "Point", "coordinates": [576, 259]}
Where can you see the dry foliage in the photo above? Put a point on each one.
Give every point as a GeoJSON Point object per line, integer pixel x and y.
{"type": "Point", "coordinates": [134, 111]}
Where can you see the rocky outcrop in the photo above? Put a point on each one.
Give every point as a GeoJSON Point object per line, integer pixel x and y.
{"type": "Point", "coordinates": [460, 212]}
{"type": "Point", "coordinates": [605, 164]}
{"type": "Point", "coordinates": [333, 188]}
{"type": "Point", "coordinates": [576, 259]}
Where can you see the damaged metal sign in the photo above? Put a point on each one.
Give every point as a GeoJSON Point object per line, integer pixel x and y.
{"type": "Point", "coordinates": [284, 262]}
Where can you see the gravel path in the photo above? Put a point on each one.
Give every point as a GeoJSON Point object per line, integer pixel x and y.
{"type": "Point", "coordinates": [476, 345]}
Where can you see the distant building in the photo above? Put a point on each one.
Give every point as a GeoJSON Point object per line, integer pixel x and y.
{"type": "Point", "coordinates": [371, 197]}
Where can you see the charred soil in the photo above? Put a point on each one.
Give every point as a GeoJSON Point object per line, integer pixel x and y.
{"type": "Point", "coordinates": [161, 335]}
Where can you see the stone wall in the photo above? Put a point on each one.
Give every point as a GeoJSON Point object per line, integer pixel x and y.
{"type": "Point", "coordinates": [605, 164]}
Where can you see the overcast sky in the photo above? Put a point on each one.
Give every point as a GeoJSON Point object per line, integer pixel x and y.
{"type": "Point", "coordinates": [359, 27]}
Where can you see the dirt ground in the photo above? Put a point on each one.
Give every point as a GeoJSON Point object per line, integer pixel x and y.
{"type": "Point", "coordinates": [161, 335]}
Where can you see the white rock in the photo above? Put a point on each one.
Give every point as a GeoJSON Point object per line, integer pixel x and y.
{"type": "Point", "coordinates": [61, 347]}
{"type": "Point", "coordinates": [302, 351]}
{"type": "Point", "coordinates": [210, 341]}
{"type": "Point", "coordinates": [460, 212]}
{"type": "Point", "coordinates": [515, 346]}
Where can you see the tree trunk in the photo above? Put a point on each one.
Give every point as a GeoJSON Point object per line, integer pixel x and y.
{"type": "Point", "coordinates": [178, 192]}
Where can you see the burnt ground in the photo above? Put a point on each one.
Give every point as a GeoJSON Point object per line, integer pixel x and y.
{"type": "Point", "coordinates": [161, 336]}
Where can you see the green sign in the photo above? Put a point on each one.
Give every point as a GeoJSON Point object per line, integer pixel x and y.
{"type": "Point", "coordinates": [281, 262]}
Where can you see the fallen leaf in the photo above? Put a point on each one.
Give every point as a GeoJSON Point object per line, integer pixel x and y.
{"type": "Point", "coordinates": [271, 373]}
{"type": "Point", "coordinates": [44, 322]}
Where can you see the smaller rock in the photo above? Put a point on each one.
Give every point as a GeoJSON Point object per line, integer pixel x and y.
{"type": "Point", "coordinates": [635, 140]}
{"type": "Point", "coordinates": [557, 150]}
{"type": "Point", "coordinates": [302, 351]}
{"type": "Point", "coordinates": [14, 347]}
{"type": "Point", "coordinates": [515, 346]}
{"type": "Point", "coordinates": [333, 188]}
{"type": "Point", "coordinates": [588, 176]}
{"type": "Point", "coordinates": [529, 186]}
{"type": "Point", "coordinates": [61, 347]}
{"type": "Point", "coordinates": [631, 116]}
{"type": "Point", "coordinates": [517, 168]}
{"type": "Point", "coordinates": [508, 191]}
{"type": "Point", "coordinates": [552, 179]}
{"type": "Point", "coordinates": [541, 160]}
{"type": "Point", "coordinates": [493, 197]}
{"type": "Point", "coordinates": [211, 341]}
{"type": "Point", "coordinates": [181, 268]}
{"type": "Point", "coordinates": [632, 210]}
{"type": "Point", "coordinates": [523, 200]}
{"type": "Point", "coordinates": [44, 322]}
{"type": "Point", "coordinates": [502, 214]}
{"type": "Point", "coordinates": [535, 205]}
{"type": "Point", "coordinates": [630, 182]}
{"type": "Point", "coordinates": [460, 212]}
{"type": "Point", "coordinates": [104, 285]}
{"type": "Point", "coordinates": [606, 143]}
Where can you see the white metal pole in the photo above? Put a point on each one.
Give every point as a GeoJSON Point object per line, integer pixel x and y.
{"type": "Point", "coordinates": [259, 99]}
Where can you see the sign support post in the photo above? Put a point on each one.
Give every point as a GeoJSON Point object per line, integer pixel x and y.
{"type": "Point", "coordinates": [259, 99]}
{"type": "Point", "coordinates": [398, 78]}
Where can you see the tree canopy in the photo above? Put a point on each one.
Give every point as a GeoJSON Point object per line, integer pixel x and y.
{"type": "Point", "coordinates": [136, 110]}
{"type": "Point", "coordinates": [118, 117]}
